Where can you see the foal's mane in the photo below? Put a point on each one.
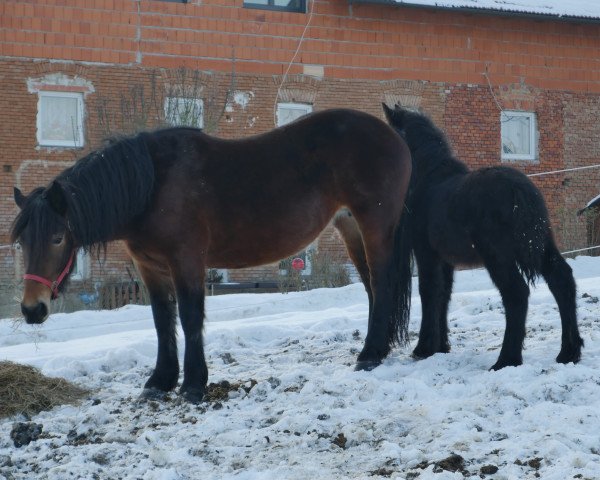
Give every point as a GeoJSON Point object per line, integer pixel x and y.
{"type": "Point", "coordinates": [103, 192]}
{"type": "Point", "coordinates": [428, 145]}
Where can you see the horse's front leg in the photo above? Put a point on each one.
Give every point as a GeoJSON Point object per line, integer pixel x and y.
{"type": "Point", "coordinates": [435, 288]}
{"type": "Point", "coordinates": [162, 299]}
{"type": "Point", "coordinates": [190, 298]}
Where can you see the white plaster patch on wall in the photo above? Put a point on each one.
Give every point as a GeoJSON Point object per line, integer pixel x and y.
{"type": "Point", "coordinates": [45, 164]}
{"type": "Point", "coordinates": [242, 98]}
{"type": "Point", "coordinates": [34, 85]}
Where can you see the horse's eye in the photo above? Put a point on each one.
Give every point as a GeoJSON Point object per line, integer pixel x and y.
{"type": "Point", "coordinates": [57, 239]}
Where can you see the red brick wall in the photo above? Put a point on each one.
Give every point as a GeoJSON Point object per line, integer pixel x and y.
{"type": "Point", "coordinates": [369, 53]}
{"type": "Point", "coordinates": [351, 41]}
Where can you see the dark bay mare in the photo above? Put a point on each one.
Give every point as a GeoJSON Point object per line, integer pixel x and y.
{"type": "Point", "coordinates": [183, 201]}
{"type": "Point", "coordinates": [493, 217]}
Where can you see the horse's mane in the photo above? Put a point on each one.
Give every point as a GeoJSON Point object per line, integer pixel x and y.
{"type": "Point", "coordinates": [428, 145]}
{"type": "Point", "coordinates": [103, 192]}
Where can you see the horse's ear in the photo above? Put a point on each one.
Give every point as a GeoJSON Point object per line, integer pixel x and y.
{"type": "Point", "coordinates": [389, 113]}
{"type": "Point", "coordinates": [56, 198]}
{"type": "Point", "coordinates": [19, 197]}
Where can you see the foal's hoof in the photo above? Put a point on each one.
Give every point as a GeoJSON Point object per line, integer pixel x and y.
{"type": "Point", "coordinates": [192, 395]}
{"type": "Point", "coordinates": [153, 394]}
{"type": "Point", "coordinates": [568, 356]}
{"type": "Point", "coordinates": [424, 351]}
{"type": "Point", "coordinates": [366, 365]}
{"type": "Point", "coordinates": [420, 355]}
{"type": "Point", "coordinates": [501, 364]}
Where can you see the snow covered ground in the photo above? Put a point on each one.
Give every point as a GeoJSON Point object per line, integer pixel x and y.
{"type": "Point", "coordinates": [297, 410]}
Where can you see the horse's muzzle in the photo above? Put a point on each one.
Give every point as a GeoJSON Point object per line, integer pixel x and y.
{"type": "Point", "coordinates": [35, 314]}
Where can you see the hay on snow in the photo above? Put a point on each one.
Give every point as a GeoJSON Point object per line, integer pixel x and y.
{"type": "Point", "coordinates": [25, 390]}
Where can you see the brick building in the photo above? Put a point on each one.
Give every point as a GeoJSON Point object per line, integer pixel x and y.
{"type": "Point", "coordinates": [520, 86]}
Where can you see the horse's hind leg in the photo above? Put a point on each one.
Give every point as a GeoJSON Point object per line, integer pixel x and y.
{"type": "Point", "coordinates": [347, 227]}
{"type": "Point", "coordinates": [515, 295]}
{"type": "Point", "coordinates": [435, 289]}
{"type": "Point", "coordinates": [378, 240]}
{"type": "Point", "coordinates": [559, 277]}
{"type": "Point", "coordinates": [448, 276]}
{"type": "Point", "coordinates": [162, 300]}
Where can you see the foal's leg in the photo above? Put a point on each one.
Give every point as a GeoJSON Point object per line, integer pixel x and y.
{"type": "Point", "coordinates": [559, 277]}
{"type": "Point", "coordinates": [448, 275]}
{"type": "Point", "coordinates": [435, 289]}
{"type": "Point", "coordinates": [515, 294]}
{"type": "Point", "coordinates": [189, 285]}
{"type": "Point", "coordinates": [162, 300]}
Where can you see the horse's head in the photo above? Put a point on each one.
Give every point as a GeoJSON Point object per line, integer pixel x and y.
{"type": "Point", "coordinates": [41, 229]}
{"type": "Point", "coordinates": [427, 143]}
{"type": "Point", "coordinates": [408, 123]}
{"type": "Point", "coordinates": [395, 118]}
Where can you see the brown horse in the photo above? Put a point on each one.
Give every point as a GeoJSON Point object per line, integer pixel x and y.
{"type": "Point", "coordinates": [183, 201]}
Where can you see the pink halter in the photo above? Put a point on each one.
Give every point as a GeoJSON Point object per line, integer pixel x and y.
{"type": "Point", "coordinates": [53, 286]}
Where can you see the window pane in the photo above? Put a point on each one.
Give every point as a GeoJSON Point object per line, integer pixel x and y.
{"type": "Point", "coordinates": [291, 4]}
{"type": "Point", "coordinates": [181, 111]}
{"type": "Point", "coordinates": [516, 134]}
{"type": "Point", "coordinates": [59, 119]}
{"type": "Point", "coordinates": [81, 270]}
{"type": "Point", "coordinates": [287, 5]}
{"type": "Point", "coordinates": [289, 113]}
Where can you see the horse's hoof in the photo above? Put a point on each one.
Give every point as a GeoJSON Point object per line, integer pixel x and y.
{"type": "Point", "coordinates": [366, 365]}
{"type": "Point", "coordinates": [420, 356]}
{"type": "Point", "coordinates": [500, 365]}
{"type": "Point", "coordinates": [152, 394]}
{"type": "Point", "coordinates": [568, 357]}
{"type": "Point", "coordinates": [192, 395]}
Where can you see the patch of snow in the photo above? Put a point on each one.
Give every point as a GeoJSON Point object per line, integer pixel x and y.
{"type": "Point", "coordinates": [559, 8]}
{"type": "Point", "coordinates": [296, 408]}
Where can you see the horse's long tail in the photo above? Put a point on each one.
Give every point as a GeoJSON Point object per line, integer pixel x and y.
{"type": "Point", "coordinates": [401, 280]}
{"type": "Point", "coordinates": [531, 230]}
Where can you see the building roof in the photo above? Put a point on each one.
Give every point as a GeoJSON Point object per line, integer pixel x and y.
{"type": "Point", "coordinates": [565, 9]}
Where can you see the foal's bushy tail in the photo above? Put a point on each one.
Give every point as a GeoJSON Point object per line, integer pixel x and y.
{"type": "Point", "coordinates": [531, 230]}
{"type": "Point", "coordinates": [401, 281]}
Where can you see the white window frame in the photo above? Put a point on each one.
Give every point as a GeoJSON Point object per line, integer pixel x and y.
{"type": "Point", "coordinates": [79, 137]}
{"type": "Point", "coordinates": [82, 266]}
{"type": "Point", "coordinates": [176, 122]}
{"type": "Point", "coordinates": [306, 108]}
{"type": "Point", "coordinates": [533, 136]}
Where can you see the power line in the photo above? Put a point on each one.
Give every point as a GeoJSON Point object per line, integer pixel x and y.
{"type": "Point", "coordinates": [579, 250]}
{"type": "Point", "coordinates": [564, 170]}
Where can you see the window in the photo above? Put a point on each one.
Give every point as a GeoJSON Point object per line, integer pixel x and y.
{"type": "Point", "coordinates": [82, 266]}
{"type": "Point", "coordinates": [288, 112]}
{"type": "Point", "coordinates": [60, 119]}
{"type": "Point", "coordinates": [284, 5]}
{"type": "Point", "coordinates": [184, 111]}
{"type": "Point", "coordinates": [519, 135]}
